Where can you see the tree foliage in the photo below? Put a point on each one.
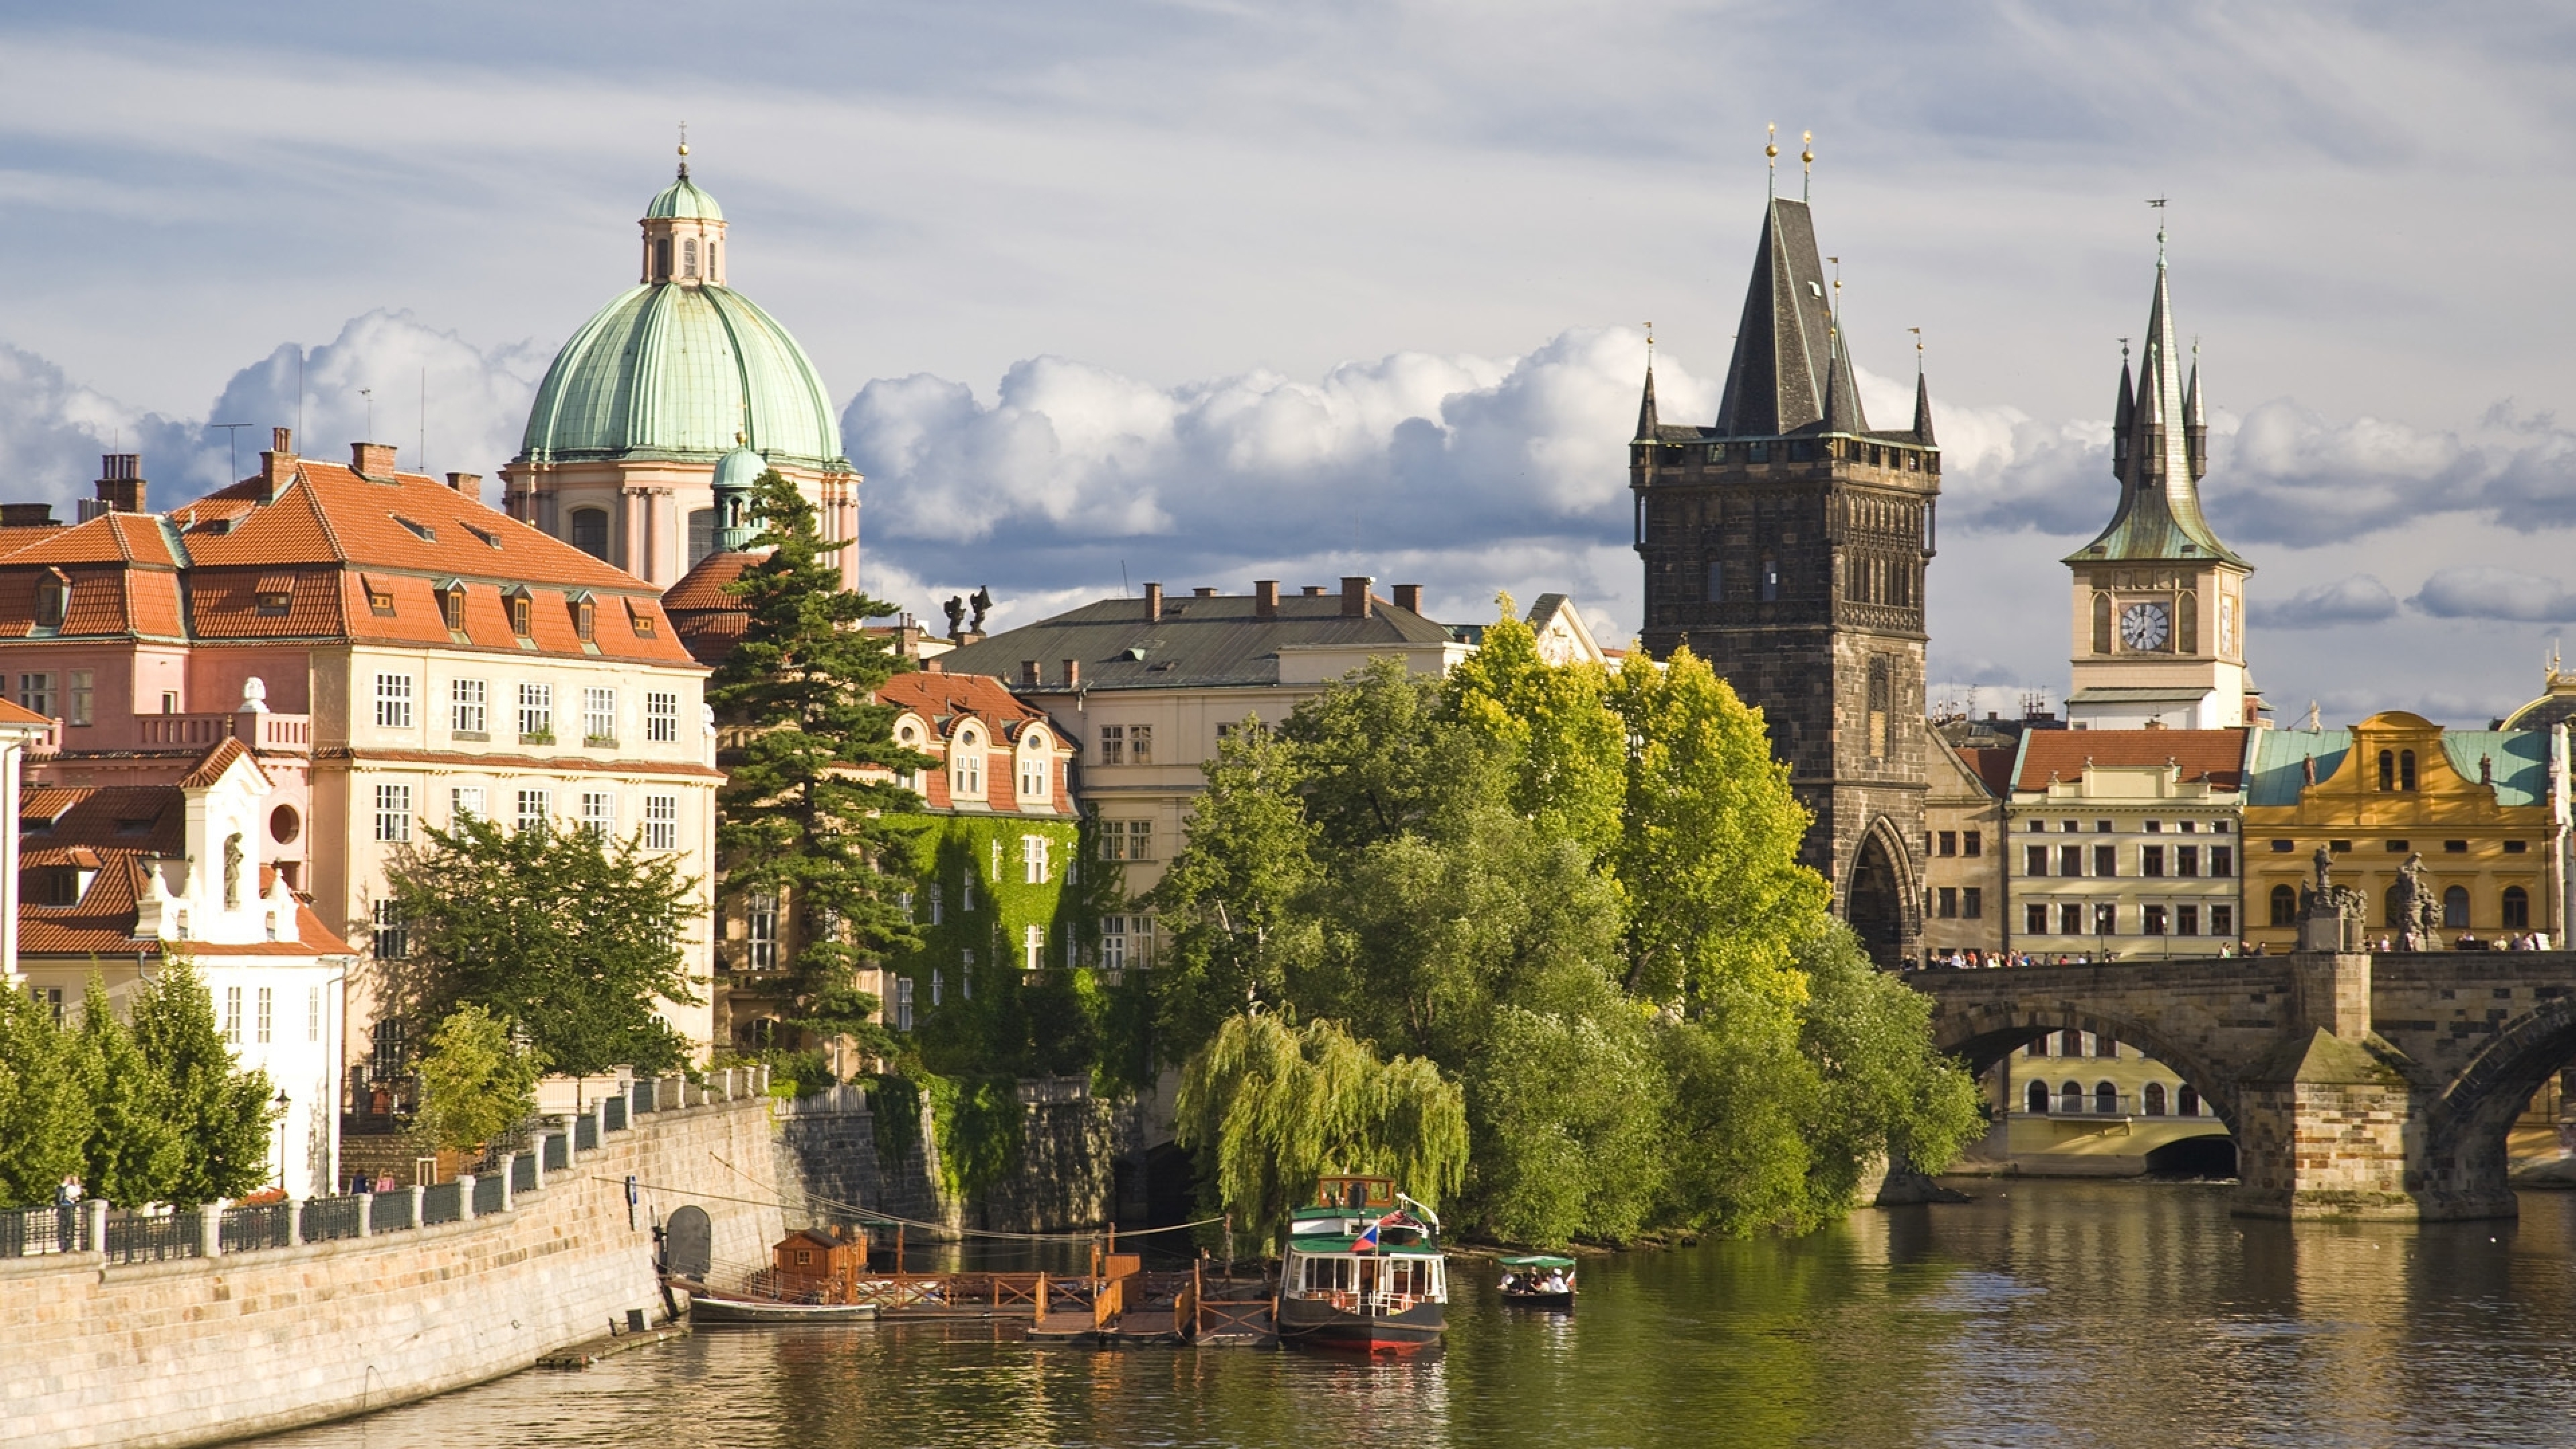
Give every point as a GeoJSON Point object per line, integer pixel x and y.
{"type": "Point", "coordinates": [475, 1083]}
{"type": "Point", "coordinates": [221, 1116]}
{"type": "Point", "coordinates": [135, 1151]}
{"type": "Point", "coordinates": [44, 1105]}
{"type": "Point", "coordinates": [797, 821]}
{"type": "Point", "coordinates": [565, 935]}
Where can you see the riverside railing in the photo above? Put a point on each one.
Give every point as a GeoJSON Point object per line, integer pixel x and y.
{"type": "Point", "coordinates": [159, 1234]}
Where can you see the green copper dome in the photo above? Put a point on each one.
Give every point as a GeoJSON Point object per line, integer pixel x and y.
{"type": "Point", "coordinates": [673, 370]}
{"type": "Point", "coordinates": [682, 200]}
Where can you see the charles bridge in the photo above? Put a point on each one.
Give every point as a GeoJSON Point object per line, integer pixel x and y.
{"type": "Point", "coordinates": [2354, 1084]}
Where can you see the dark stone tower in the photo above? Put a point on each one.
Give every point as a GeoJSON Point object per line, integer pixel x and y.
{"type": "Point", "coordinates": [1786, 546]}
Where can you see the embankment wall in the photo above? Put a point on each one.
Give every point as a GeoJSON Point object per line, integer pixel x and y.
{"type": "Point", "coordinates": [202, 1350]}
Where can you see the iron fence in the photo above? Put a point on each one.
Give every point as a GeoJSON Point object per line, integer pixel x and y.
{"type": "Point", "coordinates": [585, 1132]}
{"type": "Point", "coordinates": [28, 1232]}
{"type": "Point", "coordinates": [328, 1219]}
{"type": "Point", "coordinates": [558, 1153]}
{"type": "Point", "coordinates": [487, 1195]}
{"type": "Point", "coordinates": [646, 1095]}
{"type": "Point", "coordinates": [614, 1109]}
{"type": "Point", "coordinates": [523, 1172]}
{"type": "Point", "coordinates": [249, 1229]}
{"type": "Point", "coordinates": [151, 1238]}
{"type": "Point", "coordinates": [392, 1212]}
{"type": "Point", "coordinates": [444, 1203]}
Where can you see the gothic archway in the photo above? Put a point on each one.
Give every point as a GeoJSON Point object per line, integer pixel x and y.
{"type": "Point", "coordinates": [1879, 898]}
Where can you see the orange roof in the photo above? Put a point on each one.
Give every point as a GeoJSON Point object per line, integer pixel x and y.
{"type": "Point", "coordinates": [2217, 756]}
{"type": "Point", "coordinates": [217, 760]}
{"type": "Point", "coordinates": [708, 620]}
{"type": "Point", "coordinates": [19, 715]}
{"type": "Point", "coordinates": [1992, 767]}
{"type": "Point", "coordinates": [108, 538]}
{"type": "Point", "coordinates": [936, 695]}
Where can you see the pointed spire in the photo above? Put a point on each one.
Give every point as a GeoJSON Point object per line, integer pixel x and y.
{"type": "Point", "coordinates": [2195, 424]}
{"type": "Point", "coordinates": [1776, 381]}
{"type": "Point", "coordinates": [1923, 410]}
{"type": "Point", "coordinates": [2123, 414]}
{"type": "Point", "coordinates": [1646, 405]}
{"type": "Point", "coordinates": [1842, 393]}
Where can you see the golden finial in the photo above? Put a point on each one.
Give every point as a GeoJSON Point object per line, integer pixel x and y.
{"type": "Point", "coordinates": [1918, 350]}
{"type": "Point", "coordinates": [1771, 146]}
{"type": "Point", "coordinates": [1807, 166]}
{"type": "Point", "coordinates": [684, 138]}
{"type": "Point", "coordinates": [1650, 344]}
{"type": "Point", "coordinates": [1771, 158]}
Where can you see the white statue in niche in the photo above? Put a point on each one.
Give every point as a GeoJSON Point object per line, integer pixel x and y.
{"type": "Point", "coordinates": [254, 696]}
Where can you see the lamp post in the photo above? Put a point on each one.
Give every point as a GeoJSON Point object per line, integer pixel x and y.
{"type": "Point", "coordinates": [281, 1104]}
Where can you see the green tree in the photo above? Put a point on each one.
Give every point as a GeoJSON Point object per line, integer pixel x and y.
{"type": "Point", "coordinates": [565, 935]}
{"type": "Point", "coordinates": [44, 1111]}
{"type": "Point", "coordinates": [1886, 1091]}
{"type": "Point", "coordinates": [1231, 902]}
{"type": "Point", "coordinates": [1271, 1106]}
{"type": "Point", "coordinates": [134, 1153]}
{"type": "Point", "coordinates": [797, 820]}
{"type": "Point", "coordinates": [222, 1116]}
{"type": "Point", "coordinates": [475, 1083]}
{"type": "Point", "coordinates": [1569, 1141]}
{"type": "Point", "coordinates": [1553, 728]}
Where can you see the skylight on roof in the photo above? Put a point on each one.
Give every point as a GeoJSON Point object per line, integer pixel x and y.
{"type": "Point", "coordinates": [426, 533]}
{"type": "Point", "coordinates": [492, 539]}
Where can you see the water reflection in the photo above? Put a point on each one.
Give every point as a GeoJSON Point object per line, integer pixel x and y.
{"type": "Point", "coordinates": [2041, 1314]}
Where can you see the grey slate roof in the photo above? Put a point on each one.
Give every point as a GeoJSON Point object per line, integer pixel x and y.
{"type": "Point", "coordinates": [2159, 469]}
{"type": "Point", "coordinates": [1777, 379]}
{"type": "Point", "coordinates": [1198, 643]}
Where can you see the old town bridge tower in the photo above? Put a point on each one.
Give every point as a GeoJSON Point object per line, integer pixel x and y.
{"type": "Point", "coordinates": [1786, 546]}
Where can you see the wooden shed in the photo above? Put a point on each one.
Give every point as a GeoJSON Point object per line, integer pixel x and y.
{"type": "Point", "coordinates": [821, 1265]}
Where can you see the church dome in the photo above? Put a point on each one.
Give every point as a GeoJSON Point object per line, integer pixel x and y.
{"type": "Point", "coordinates": [740, 468]}
{"type": "Point", "coordinates": [683, 201]}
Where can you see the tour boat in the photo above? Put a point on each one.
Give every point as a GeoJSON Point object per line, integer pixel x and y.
{"type": "Point", "coordinates": [1538, 1280]}
{"type": "Point", "coordinates": [710, 1305]}
{"type": "Point", "coordinates": [1361, 1274]}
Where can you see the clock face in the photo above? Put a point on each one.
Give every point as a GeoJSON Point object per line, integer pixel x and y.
{"type": "Point", "coordinates": [2144, 626]}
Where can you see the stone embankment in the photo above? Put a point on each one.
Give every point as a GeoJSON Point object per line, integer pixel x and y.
{"type": "Point", "coordinates": [200, 1348]}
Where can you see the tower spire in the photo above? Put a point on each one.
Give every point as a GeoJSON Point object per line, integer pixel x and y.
{"type": "Point", "coordinates": [1771, 160]}
{"type": "Point", "coordinates": [1646, 406]}
{"type": "Point", "coordinates": [1922, 395]}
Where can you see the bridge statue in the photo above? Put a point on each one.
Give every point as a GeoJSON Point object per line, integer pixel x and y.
{"type": "Point", "coordinates": [2330, 916]}
{"type": "Point", "coordinates": [2413, 909]}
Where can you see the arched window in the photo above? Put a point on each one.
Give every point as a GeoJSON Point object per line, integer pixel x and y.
{"type": "Point", "coordinates": [1716, 585]}
{"type": "Point", "coordinates": [662, 260]}
{"type": "Point", "coordinates": [2405, 769]}
{"type": "Point", "coordinates": [2455, 908]}
{"type": "Point", "coordinates": [1770, 579]}
{"type": "Point", "coordinates": [2517, 909]}
{"type": "Point", "coordinates": [2038, 1098]}
{"type": "Point", "coordinates": [2186, 1101]}
{"type": "Point", "coordinates": [2106, 1099]}
{"type": "Point", "coordinates": [967, 771]}
{"type": "Point", "coordinates": [2152, 1100]}
{"type": "Point", "coordinates": [2387, 769]}
{"type": "Point", "coordinates": [53, 599]}
{"type": "Point", "coordinates": [2070, 1044]}
{"type": "Point", "coordinates": [2101, 623]}
{"type": "Point", "coordinates": [2388, 908]}
{"type": "Point", "coordinates": [2285, 906]}
{"type": "Point", "coordinates": [2187, 624]}
{"type": "Point", "coordinates": [590, 531]}
{"type": "Point", "coordinates": [2070, 1099]}
{"type": "Point", "coordinates": [689, 257]}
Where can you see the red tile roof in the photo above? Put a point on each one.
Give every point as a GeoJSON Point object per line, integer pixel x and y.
{"type": "Point", "coordinates": [113, 830]}
{"type": "Point", "coordinates": [708, 620]}
{"type": "Point", "coordinates": [1992, 767]}
{"type": "Point", "coordinates": [2217, 756]}
{"type": "Point", "coordinates": [18, 715]}
{"type": "Point", "coordinates": [937, 695]}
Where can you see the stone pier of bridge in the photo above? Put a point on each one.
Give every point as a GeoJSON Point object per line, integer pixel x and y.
{"type": "Point", "coordinates": [2355, 1085]}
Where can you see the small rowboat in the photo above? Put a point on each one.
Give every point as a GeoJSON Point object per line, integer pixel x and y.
{"type": "Point", "coordinates": [1538, 1280]}
{"type": "Point", "coordinates": [714, 1305]}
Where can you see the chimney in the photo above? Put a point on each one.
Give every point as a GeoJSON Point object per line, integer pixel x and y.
{"type": "Point", "coordinates": [469, 484]}
{"type": "Point", "coordinates": [1408, 597]}
{"type": "Point", "coordinates": [27, 515]}
{"type": "Point", "coordinates": [1313, 591]}
{"type": "Point", "coordinates": [1029, 673]}
{"type": "Point", "coordinates": [120, 486]}
{"type": "Point", "coordinates": [277, 465]}
{"type": "Point", "coordinates": [1355, 595]}
{"type": "Point", "coordinates": [1202, 593]}
{"type": "Point", "coordinates": [930, 666]}
{"type": "Point", "coordinates": [1153, 603]}
{"type": "Point", "coordinates": [1265, 598]}
{"type": "Point", "coordinates": [372, 460]}
{"type": "Point", "coordinates": [1073, 674]}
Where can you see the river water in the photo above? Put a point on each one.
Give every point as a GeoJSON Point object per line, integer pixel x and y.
{"type": "Point", "coordinates": [2042, 1313]}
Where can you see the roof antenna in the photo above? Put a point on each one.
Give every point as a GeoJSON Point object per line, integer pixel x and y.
{"type": "Point", "coordinates": [1771, 150]}
{"type": "Point", "coordinates": [369, 394]}
{"type": "Point", "coordinates": [1807, 166]}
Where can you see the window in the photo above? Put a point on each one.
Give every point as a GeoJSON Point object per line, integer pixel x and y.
{"type": "Point", "coordinates": [2154, 827]}
{"type": "Point", "coordinates": [2034, 860]}
{"type": "Point", "coordinates": [2107, 1048]}
{"type": "Point", "coordinates": [966, 769]}
{"type": "Point", "coordinates": [2517, 909]}
{"type": "Point", "coordinates": [2405, 769]}
{"type": "Point", "coordinates": [688, 256]}
{"type": "Point", "coordinates": [1113, 943]}
{"type": "Point", "coordinates": [599, 814]}
{"type": "Point", "coordinates": [465, 709]}
{"type": "Point", "coordinates": [2285, 906]}
{"type": "Point", "coordinates": [451, 604]}
{"type": "Point", "coordinates": [2037, 1099]}
{"type": "Point", "coordinates": [393, 701]}
{"type": "Point", "coordinates": [2070, 1099]}
{"type": "Point", "coordinates": [2034, 919]}
{"type": "Point", "coordinates": [1881, 721]}
{"type": "Point", "coordinates": [2222, 861]}
{"type": "Point", "coordinates": [1032, 947]}
{"type": "Point", "coordinates": [1033, 777]}
{"type": "Point", "coordinates": [392, 932]}
{"type": "Point", "coordinates": [465, 802]}
{"type": "Point", "coordinates": [1140, 744]}
{"type": "Point", "coordinates": [183, 928]}
{"type": "Point", "coordinates": [2186, 920]}
{"type": "Point", "coordinates": [661, 716]}
{"type": "Point", "coordinates": [393, 812]}
{"type": "Point", "coordinates": [2517, 847]}
{"type": "Point", "coordinates": [2187, 860]}
{"type": "Point", "coordinates": [232, 1014]}
{"type": "Point", "coordinates": [267, 1027]}
{"type": "Point", "coordinates": [2070, 860]}
{"type": "Point", "coordinates": [2101, 623]}
{"type": "Point", "coordinates": [2070, 919]}
{"type": "Point", "coordinates": [84, 694]}
{"type": "Point", "coordinates": [2151, 861]}
{"type": "Point", "coordinates": [1113, 744]}
{"type": "Point", "coordinates": [536, 714]}
{"type": "Point", "coordinates": [966, 893]}
{"type": "Point", "coordinates": [36, 693]}
{"type": "Point", "coordinates": [1713, 588]}
{"type": "Point", "coordinates": [2106, 919]}
{"type": "Point", "coordinates": [2455, 908]}
{"type": "Point", "coordinates": [2106, 860]}
{"type": "Point", "coordinates": [2100, 827]}
{"type": "Point", "coordinates": [1972, 843]}
{"type": "Point", "coordinates": [2037, 1047]}
{"type": "Point", "coordinates": [2284, 847]}
{"type": "Point", "coordinates": [53, 598]}
{"type": "Point", "coordinates": [2155, 921]}
{"type": "Point", "coordinates": [169, 701]}
{"type": "Point", "coordinates": [312, 1013]}
{"type": "Point", "coordinates": [590, 531]}
{"type": "Point", "coordinates": [760, 932]}
{"type": "Point", "coordinates": [2106, 1099]}
{"type": "Point", "coordinates": [903, 1003]}
{"type": "Point", "coordinates": [536, 809]}
{"type": "Point", "coordinates": [1949, 903]}
{"type": "Point", "coordinates": [639, 615]}
{"type": "Point", "coordinates": [2222, 920]}
{"type": "Point", "coordinates": [599, 716]}
{"type": "Point", "coordinates": [1770, 579]}
{"type": "Point", "coordinates": [1033, 860]}
{"type": "Point", "coordinates": [1972, 903]}
{"type": "Point", "coordinates": [1140, 840]}
{"type": "Point", "coordinates": [996, 870]}
{"type": "Point", "coordinates": [2151, 1099]}
{"type": "Point", "coordinates": [523, 614]}
{"type": "Point", "coordinates": [2070, 1043]}
{"type": "Point", "coordinates": [2186, 1101]}
{"type": "Point", "coordinates": [661, 822]}
{"type": "Point", "coordinates": [585, 617]}
{"type": "Point", "coordinates": [380, 598]}
{"type": "Point", "coordinates": [1949, 842]}
{"type": "Point", "coordinates": [1111, 838]}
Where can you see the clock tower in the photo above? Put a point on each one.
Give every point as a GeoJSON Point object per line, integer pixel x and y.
{"type": "Point", "coordinates": [2159, 602]}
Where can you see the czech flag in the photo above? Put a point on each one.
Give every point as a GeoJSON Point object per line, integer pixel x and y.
{"type": "Point", "coordinates": [1366, 1242]}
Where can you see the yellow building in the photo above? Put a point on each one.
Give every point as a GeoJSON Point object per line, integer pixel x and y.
{"type": "Point", "coordinates": [1963, 849]}
{"type": "Point", "coordinates": [2125, 843]}
{"type": "Point", "coordinates": [2476, 805]}
{"type": "Point", "coordinates": [2073, 1104]}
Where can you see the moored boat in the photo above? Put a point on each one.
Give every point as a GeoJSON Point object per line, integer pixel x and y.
{"type": "Point", "coordinates": [1361, 1274]}
{"type": "Point", "coordinates": [708, 1305]}
{"type": "Point", "coordinates": [1538, 1280]}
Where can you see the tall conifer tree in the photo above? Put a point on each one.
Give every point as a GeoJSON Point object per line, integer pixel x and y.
{"type": "Point", "coordinates": [222, 1116]}
{"type": "Point", "coordinates": [134, 1153]}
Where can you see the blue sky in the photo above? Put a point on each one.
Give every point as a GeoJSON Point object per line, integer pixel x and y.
{"type": "Point", "coordinates": [1210, 292]}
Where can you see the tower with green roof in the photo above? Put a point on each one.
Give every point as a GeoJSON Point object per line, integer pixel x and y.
{"type": "Point", "coordinates": [622, 445]}
{"type": "Point", "coordinates": [2159, 601]}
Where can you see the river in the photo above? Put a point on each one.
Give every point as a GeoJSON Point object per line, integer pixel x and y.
{"type": "Point", "coordinates": [2042, 1313]}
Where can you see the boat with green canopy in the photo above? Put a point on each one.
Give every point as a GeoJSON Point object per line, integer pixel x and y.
{"type": "Point", "coordinates": [1361, 1273]}
{"type": "Point", "coordinates": [1538, 1280]}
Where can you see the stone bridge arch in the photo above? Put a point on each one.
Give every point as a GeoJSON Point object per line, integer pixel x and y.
{"type": "Point", "coordinates": [2468, 1122]}
{"type": "Point", "coordinates": [1984, 1034]}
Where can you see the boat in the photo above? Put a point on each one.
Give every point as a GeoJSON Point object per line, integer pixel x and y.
{"type": "Point", "coordinates": [1538, 1280]}
{"type": "Point", "coordinates": [1361, 1274]}
{"type": "Point", "coordinates": [709, 1305]}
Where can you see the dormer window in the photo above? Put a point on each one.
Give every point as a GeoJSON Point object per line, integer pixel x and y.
{"type": "Point", "coordinates": [380, 598]}
{"type": "Point", "coordinates": [273, 597]}
{"type": "Point", "coordinates": [451, 603]}
{"type": "Point", "coordinates": [53, 599]}
{"type": "Point", "coordinates": [639, 615]}
{"type": "Point", "coordinates": [585, 617]}
{"type": "Point", "coordinates": [967, 772]}
{"type": "Point", "coordinates": [523, 613]}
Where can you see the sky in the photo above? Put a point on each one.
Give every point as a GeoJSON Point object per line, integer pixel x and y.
{"type": "Point", "coordinates": [1203, 292]}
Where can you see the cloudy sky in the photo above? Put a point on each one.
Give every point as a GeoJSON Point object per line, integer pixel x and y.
{"type": "Point", "coordinates": [1204, 291]}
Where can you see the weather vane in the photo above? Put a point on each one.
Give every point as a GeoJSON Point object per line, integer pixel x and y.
{"type": "Point", "coordinates": [2158, 203]}
{"type": "Point", "coordinates": [1771, 153]}
{"type": "Point", "coordinates": [1807, 166]}
{"type": "Point", "coordinates": [1918, 350]}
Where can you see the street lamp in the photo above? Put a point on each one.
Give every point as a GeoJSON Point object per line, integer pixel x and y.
{"type": "Point", "coordinates": [280, 1104]}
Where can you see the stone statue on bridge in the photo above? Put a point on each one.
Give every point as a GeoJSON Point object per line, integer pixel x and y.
{"type": "Point", "coordinates": [2327, 901]}
{"type": "Point", "coordinates": [2413, 910]}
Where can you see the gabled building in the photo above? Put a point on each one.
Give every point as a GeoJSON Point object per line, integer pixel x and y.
{"type": "Point", "coordinates": [1965, 895]}
{"type": "Point", "coordinates": [2127, 844]}
{"type": "Point", "coordinates": [1785, 544]}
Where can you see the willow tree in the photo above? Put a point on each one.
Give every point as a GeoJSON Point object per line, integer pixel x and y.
{"type": "Point", "coordinates": [1272, 1105]}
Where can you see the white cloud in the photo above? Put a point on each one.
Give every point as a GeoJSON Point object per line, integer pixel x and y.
{"type": "Point", "coordinates": [2478, 591]}
{"type": "Point", "coordinates": [2360, 599]}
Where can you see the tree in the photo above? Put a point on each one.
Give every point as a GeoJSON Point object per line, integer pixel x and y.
{"type": "Point", "coordinates": [797, 820]}
{"type": "Point", "coordinates": [221, 1116]}
{"type": "Point", "coordinates": [568, 936]}
{"type": "Point", "coordinates": [1886, 1091]}
{"type": "Point", "coordinates": [44, 1110]}
{"type": "Point", "coordinates": [1552, 726]}
{"type": "Point", "coordinates": [475, 1083]}
{"type": "Point", "coordinates": [1271, 1106]}
{"type": "Point", "coordinates": [1230, 903]}
{"type": "Point", "coordinates": [134, 1153]}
